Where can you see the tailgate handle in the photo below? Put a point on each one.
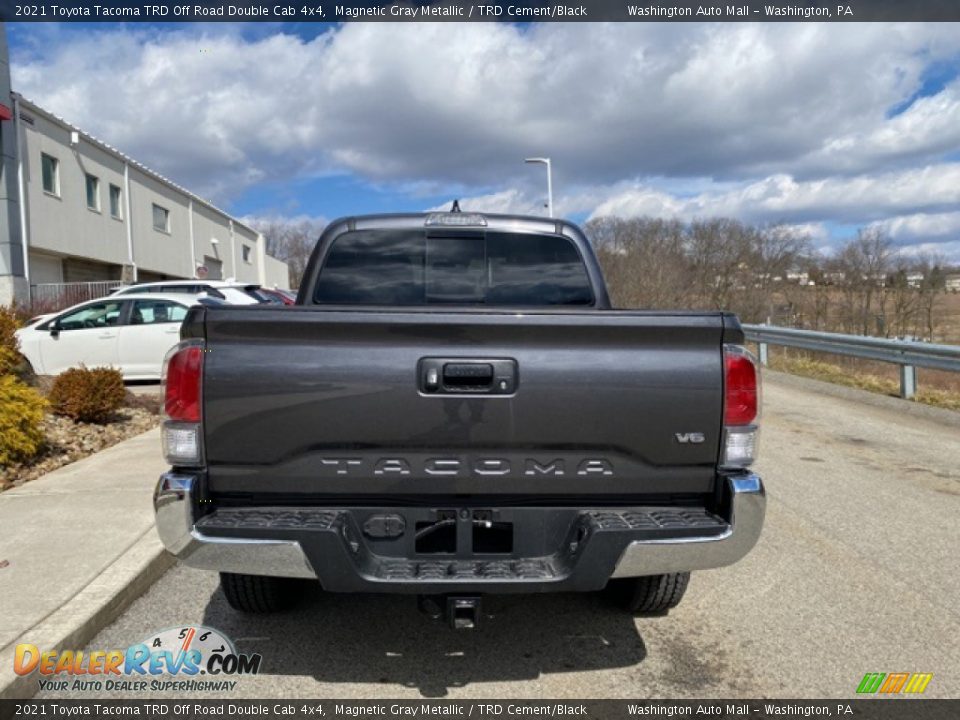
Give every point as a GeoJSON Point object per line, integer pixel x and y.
{"type": "Point", "coordinates": [462, 376]}
{"type": "Point", "coordinates": [467, 375]}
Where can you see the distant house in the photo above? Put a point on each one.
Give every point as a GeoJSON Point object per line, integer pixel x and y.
{"type": "Point", "coordinates": [951, 282]}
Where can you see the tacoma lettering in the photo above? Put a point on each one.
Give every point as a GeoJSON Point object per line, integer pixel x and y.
{"type": "Point", "coordinates": [452, 467]}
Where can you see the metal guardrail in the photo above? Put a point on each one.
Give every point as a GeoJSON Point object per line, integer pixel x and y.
{"type": "Point", "coordinates": [908, 354]}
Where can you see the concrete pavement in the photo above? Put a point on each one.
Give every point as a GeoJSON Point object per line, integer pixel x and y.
{"type": "Point", "coordinates": [858, 570]}
{"type": "Point", "coordinates": [77, 545]}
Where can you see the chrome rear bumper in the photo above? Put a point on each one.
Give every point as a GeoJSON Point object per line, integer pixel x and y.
{"type": "Point", "coordinates": [747, 503]}
{"type": "Point", "coordinates": [175, 505]}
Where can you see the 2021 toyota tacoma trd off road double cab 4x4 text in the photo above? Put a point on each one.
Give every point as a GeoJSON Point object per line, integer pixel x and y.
{"type": "Point", "coordinates": [451, 409]}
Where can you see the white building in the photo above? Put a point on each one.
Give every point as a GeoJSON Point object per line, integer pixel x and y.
{"type": "Point", "coordinates": [77, 214]}
{"type": "Point", "coordinates": [914, 279]}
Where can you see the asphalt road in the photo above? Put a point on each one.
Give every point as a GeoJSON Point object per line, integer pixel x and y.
{"type": "Point", "coordinates": [858, 570]}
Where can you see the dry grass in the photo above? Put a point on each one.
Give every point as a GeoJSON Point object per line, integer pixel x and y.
{"type": "Point", "coordinates": [810, 367]}
{"type": "Point", "coordinates": [946, 313]}
{"type": "Point", "coordinates": [948, 318]}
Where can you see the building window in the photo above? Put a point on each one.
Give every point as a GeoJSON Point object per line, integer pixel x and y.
{"type": "Point", "coordinates": [115, 196]}
{"type": "Point", "coordinates": [50, 167]}
{"type": "Point", "coordinates": [246, 253]}
{"type": "Point", "coordinates": [161, 218]}
{"type": "Point", "coordinates": [93, 192]}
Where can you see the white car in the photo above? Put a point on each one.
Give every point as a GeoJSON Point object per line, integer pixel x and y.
{"type": "Point", "coordinates": [233, 293]}
{"type": "Point", "coordinates": [129, 332]}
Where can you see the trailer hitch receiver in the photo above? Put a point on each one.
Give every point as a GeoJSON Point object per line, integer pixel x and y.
{"type": "Point", "coordinates": [463, 613]}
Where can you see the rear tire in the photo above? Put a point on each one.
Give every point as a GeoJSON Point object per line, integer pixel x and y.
{"type": "Point", "coordinates": [256, 593]}
{"type": "Point", "coordinates": [651, 594]}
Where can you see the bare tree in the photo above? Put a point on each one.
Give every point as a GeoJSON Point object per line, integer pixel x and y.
{"type": "Point", "coordinates": [772, 271]}
{"type": "Point", "coordinates": [865, 262]}
{"type": "Point", "coordinates": [930, 294]}
{"type": "Point", "coordinates": [643, 260]}
{"type": "Point", "coordinates": [903, 300]}
{"type": "Point", "coordinates": [804, 290]}
{"type": "Point", "coordinates": [772, 253]}
{"type": "Point", "coordinates": [720, 252]}
{"type": "Point", "coordinates": [290, 241]}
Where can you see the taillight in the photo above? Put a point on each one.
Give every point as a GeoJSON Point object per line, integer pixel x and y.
{"type": "Point", "coordinates": [181, 390]}
{"type": "Point", "coordinates": [182, 403]}
{"type": "Point", "coordinates": [741, 407]}
{"type": "Point", "coordinates": [740, 387]}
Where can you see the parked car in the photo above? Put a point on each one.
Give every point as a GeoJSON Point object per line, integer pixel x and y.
{"type": "Point", "coordinates": [273, 297]}
{"type": "Point", "coordinates": [39, 318]}
{"type": "Point", "coordinates": [131, 332]}
{"type": "Point", "coordinates": [231, 292]}
{"type": "Point", "coordinates": [457, 410]}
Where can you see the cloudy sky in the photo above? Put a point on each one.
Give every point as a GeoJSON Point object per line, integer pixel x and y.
{"type": "Point", "coordinates": [829, 127]}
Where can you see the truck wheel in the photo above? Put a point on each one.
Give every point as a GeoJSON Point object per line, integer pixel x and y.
{"type": "Point", "coordinates": [649, 594]}
{"type": "Point", "coordinates": [256, 593]}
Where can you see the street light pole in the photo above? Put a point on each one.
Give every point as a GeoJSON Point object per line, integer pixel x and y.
{"type": "Point", "coordinates": [546, 161]}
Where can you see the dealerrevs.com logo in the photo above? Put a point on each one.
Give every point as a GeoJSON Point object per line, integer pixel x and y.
{"type": "Point", "coordinates": [191, 658]}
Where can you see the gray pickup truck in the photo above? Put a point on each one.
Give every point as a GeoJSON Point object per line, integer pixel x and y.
{"type": "Point", "coordinates": [453, 409]}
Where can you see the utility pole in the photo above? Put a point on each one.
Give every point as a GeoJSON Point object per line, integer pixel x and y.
{"type": "Point", "coordinates": [545, 161]}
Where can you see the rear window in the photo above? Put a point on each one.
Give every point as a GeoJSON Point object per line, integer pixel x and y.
{"type": "Point", "coordinates": [387, 267]}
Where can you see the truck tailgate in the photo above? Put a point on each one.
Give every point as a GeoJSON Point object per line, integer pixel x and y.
{"type": "Point", "coordinates": [331, 402]}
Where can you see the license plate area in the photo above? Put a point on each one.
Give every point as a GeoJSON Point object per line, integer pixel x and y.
{"type": "Point", "coordinates": [491, 537]}
{"type": "Point", "coordinates": [465, 532]}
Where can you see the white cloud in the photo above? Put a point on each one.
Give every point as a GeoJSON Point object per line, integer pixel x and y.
{"type": "Point", "coordinates": [816, 232]}
{"type": "Point", "coordinates": [948, 251]}
{"type": "Point", "coordinates": [318, 221]}
{"type": "Point", "coordinates": [858, 199]}
{"type": "Point", "coordinates": [763, 121]}
{"type": "Point", "coordinates": [923, 226]}
{"type": "Point", "coordinates": [467, 102]}
{"type": "Point", "coordinates": [928, 128]}
{"type": "Point", "coordinates": [511, 201]}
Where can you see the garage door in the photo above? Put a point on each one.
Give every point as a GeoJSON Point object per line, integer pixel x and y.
{"type": "Point", "coordinates": [45, 269]}
{"type": "Point", "coordinates": [214, 268]}
{"type": "Point", "coordinates": [76, 270]}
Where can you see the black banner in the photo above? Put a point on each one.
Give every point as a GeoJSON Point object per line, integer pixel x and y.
{"type": "Point", "coordinates": [457, 10]}
{"type": "Point", "coordinates": [879, 709]}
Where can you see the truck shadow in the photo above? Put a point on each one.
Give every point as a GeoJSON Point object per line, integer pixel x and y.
{"type": "Point", "coordinates": [385, 640]}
